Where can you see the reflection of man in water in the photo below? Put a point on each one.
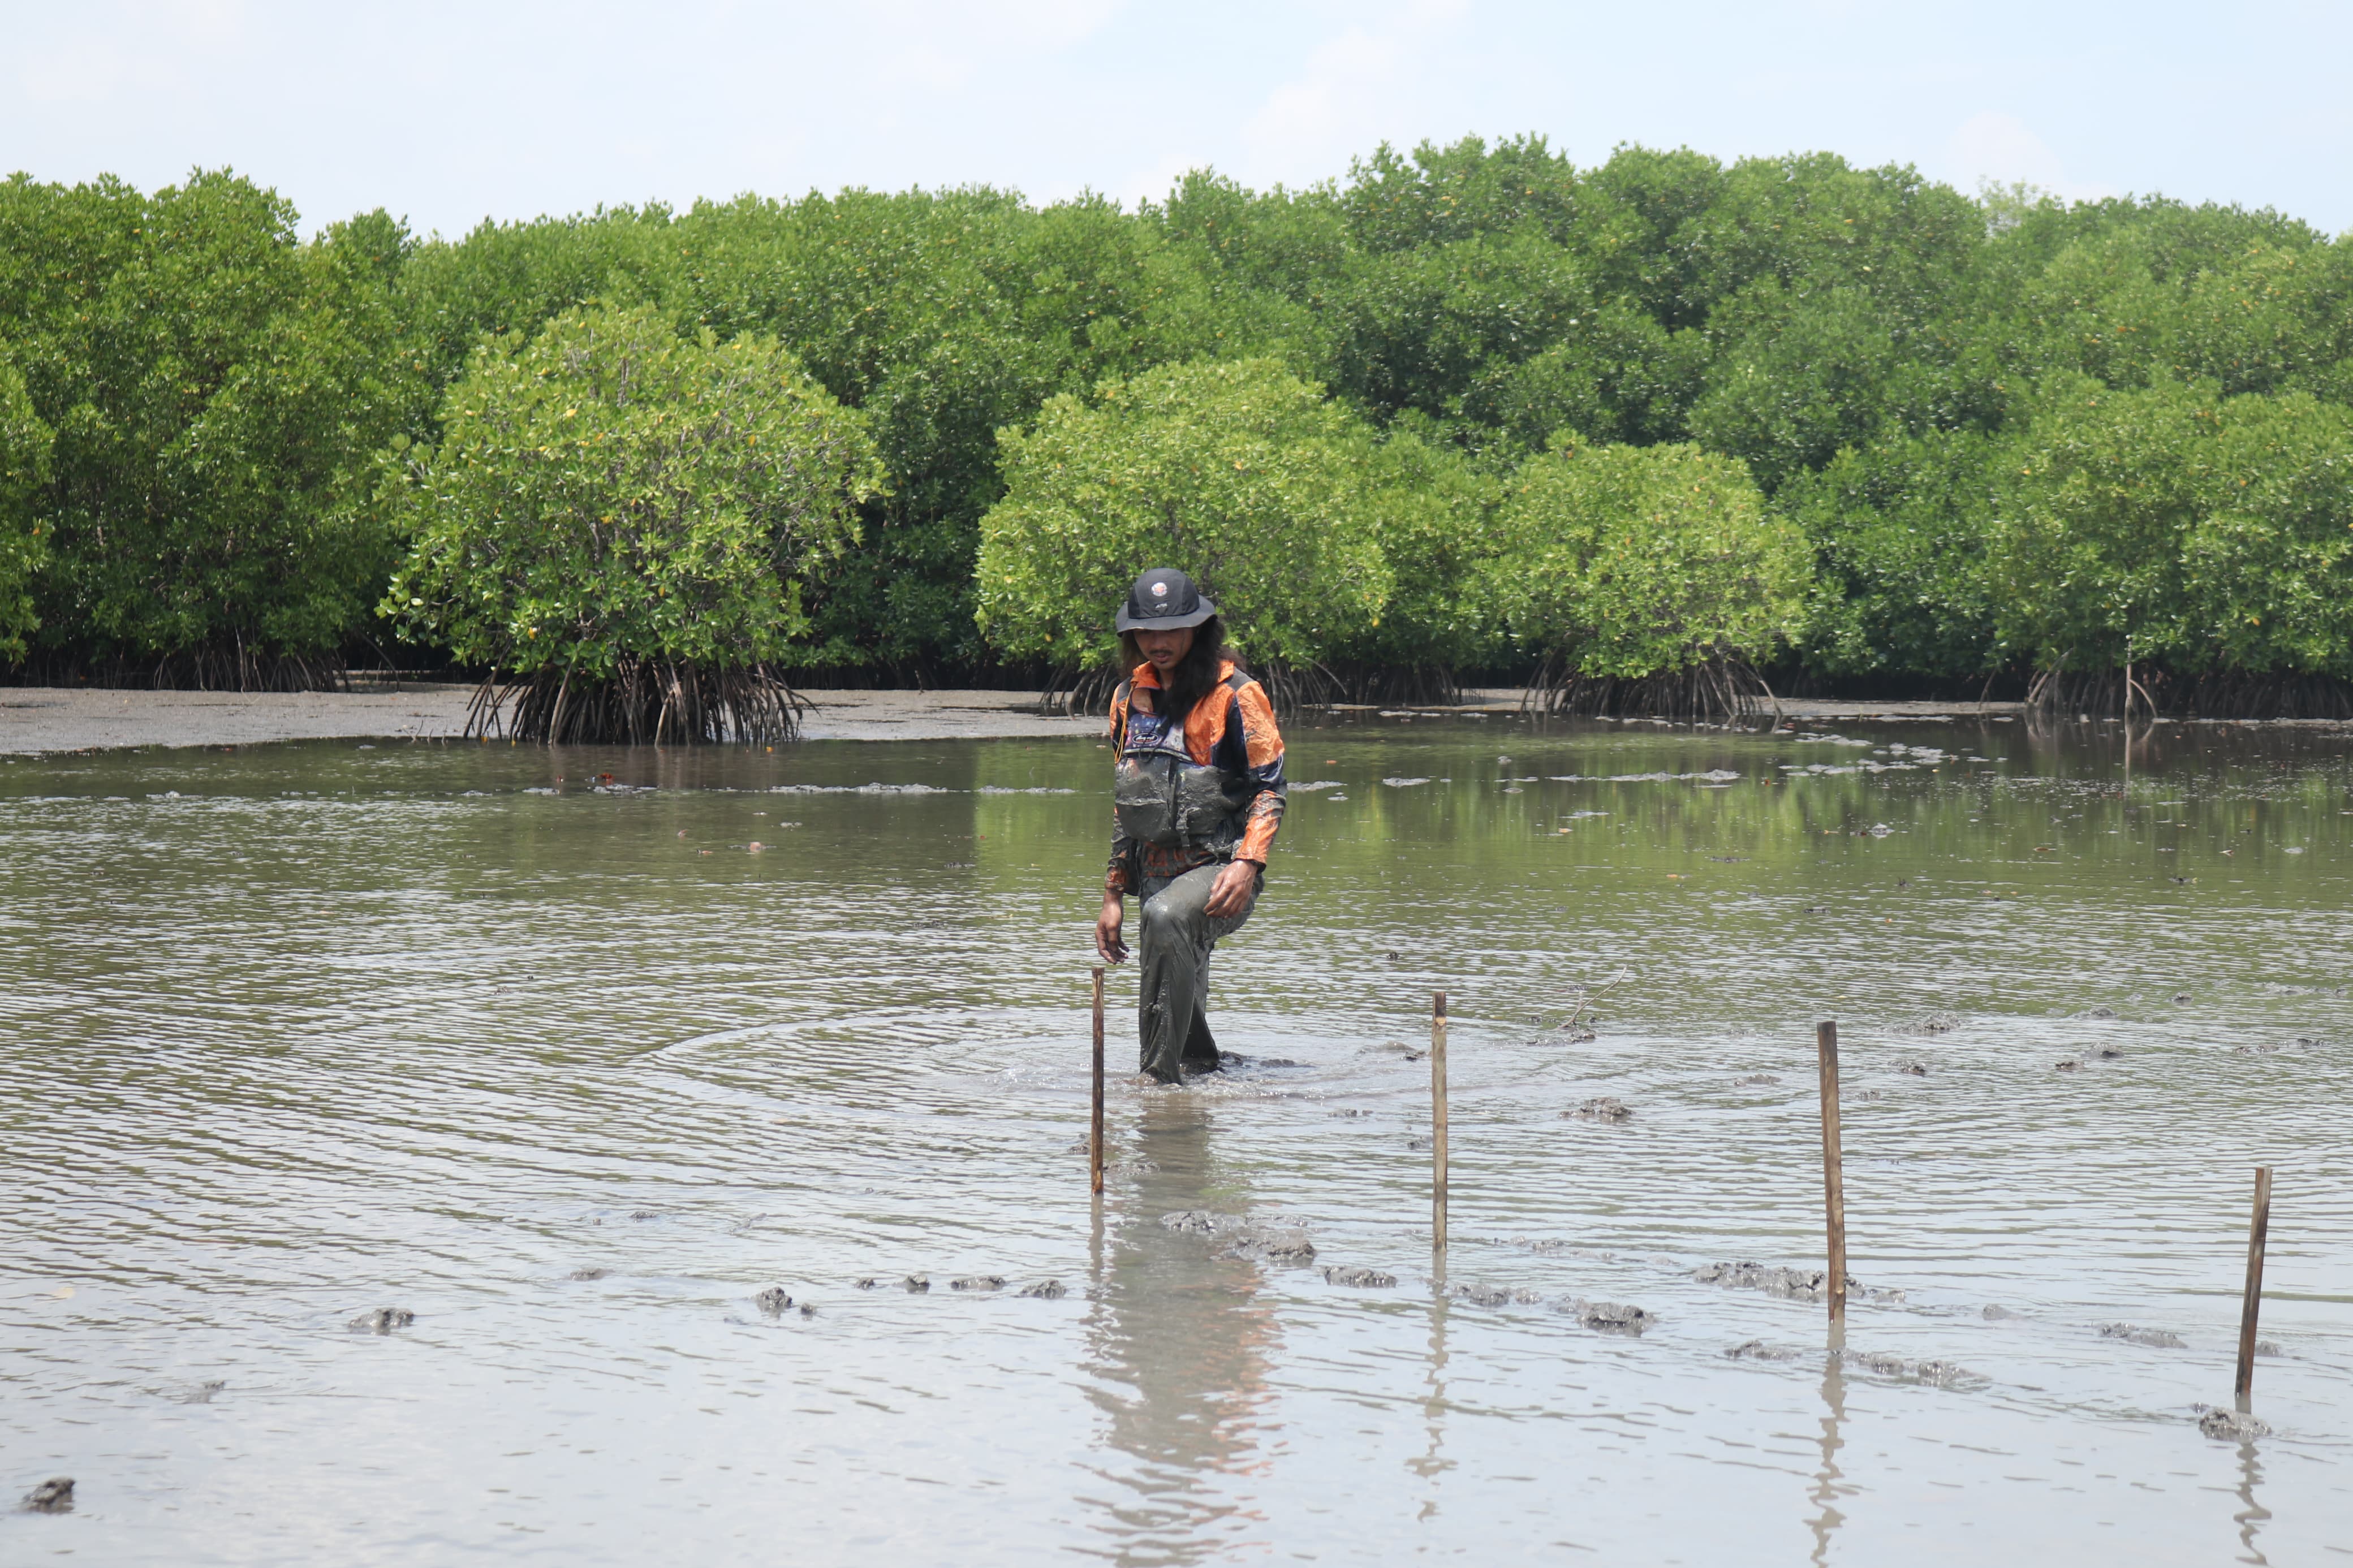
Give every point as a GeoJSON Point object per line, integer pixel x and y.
{"type": "Point", "coordinates": [1199, 792]}
{"type": "Point", "coordinates": [1181, 1346]}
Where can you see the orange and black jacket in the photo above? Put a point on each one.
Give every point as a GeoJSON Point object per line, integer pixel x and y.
{"type": "Point", "coordinates": [1212, 793]}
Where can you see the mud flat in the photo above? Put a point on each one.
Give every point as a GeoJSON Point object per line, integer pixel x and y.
{"type": "Point", "coordinates": [37, 719]}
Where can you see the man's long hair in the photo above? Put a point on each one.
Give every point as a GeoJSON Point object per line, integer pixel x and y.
{"type": "Point", "coordinates": [1195, 675]}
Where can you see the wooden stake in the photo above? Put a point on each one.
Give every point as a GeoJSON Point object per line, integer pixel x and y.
{"type": "Point", "coordinates": [1833, 1178]}
{"type": "Point", "coordinates": [1438, 1119]}
{"type": "Point", "coordinates": [2257, 1230]}
{"type": "Point", "coordinates": [1095, 1130]}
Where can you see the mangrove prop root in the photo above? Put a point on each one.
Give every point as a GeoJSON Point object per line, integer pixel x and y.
{"type": "Point", "coordinates": [644, 702]}
{"type": "Point", "coordinates": [234, 666]}
{"type": "Point", "coordinates": [2221, 694]}
{"type": "Point", "coordinates": [1720, 689]}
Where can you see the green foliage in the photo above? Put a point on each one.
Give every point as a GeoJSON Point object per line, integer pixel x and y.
{"type": "Point", "coordinates": [1878, 350]}
{"type": "Point", "coordinates": [1442, 195]}
{"type": "Point", "coordinates": [1899, 530]}
{"type": "Point", "coordinates": [1629, 561]}
{"type": "Point", "coordinates": [609, 491]}
{"type": "Point", "coordinates": [1811, 222]}
{"type": "Point", "coordinates": [1238, 472]}
{"type": "Point", "coordinates": [1829, 371]}
{"type": "Point", "coordinates": [1614, 373]}
{"type": "Point", "coordinates": [215, 387]}
{"type": "Point", "coordinates": [2268, 559]}
{"type": "Point", "coordinates": [1431, 509]}
{"type": "Point", "coordinates": [512, 277]}
{"type": "Point", "coordinates": [943, 315]}
{"type": "Point", "coordinates": [25, 443]}
{"type": "Point", "coordinates": [2172, 523]}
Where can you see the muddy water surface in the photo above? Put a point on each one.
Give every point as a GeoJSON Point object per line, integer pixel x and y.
{"type": "Point", "coordinates": [573, 1072]}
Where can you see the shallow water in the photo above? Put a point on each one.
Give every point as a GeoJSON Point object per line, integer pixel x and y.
{"type": "Point", "coordinates": [298, 1032]}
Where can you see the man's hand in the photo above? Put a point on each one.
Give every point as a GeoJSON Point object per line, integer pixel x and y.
{"type": "Point", "coordinates": [1107, 926]}
{"type": "Point", "coordinates": [1234, 887]}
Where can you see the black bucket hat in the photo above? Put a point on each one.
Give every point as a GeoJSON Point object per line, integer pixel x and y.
{"type": "Point", "coordinates": [1164, 599]}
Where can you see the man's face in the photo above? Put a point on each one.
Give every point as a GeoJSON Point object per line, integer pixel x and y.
{"type": "Point", "coordinates": [1163, 649]}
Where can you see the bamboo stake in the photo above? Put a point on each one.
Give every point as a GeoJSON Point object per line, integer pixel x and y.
{"type": "Point", "coordinates": [1438, 1119]}
{"type": "Point", "coordinates": [1833, 1178]}
{"type": "Point", "coordinates": [1095, 1130]}
{"type": "Point", "coordinates": [2258, 1229]}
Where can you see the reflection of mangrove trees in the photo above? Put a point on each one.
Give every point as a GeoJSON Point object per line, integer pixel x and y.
{"type": "Point", "coordinates": [1473, 409]}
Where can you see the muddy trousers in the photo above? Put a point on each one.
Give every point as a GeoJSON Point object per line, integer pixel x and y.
{"type": "Point", "coordinates": [1173, 951]}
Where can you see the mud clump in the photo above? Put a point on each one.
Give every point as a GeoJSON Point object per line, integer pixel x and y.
{"type": "Point", "coordinates": [1258, 1241]}
{"type": "Point", "coordinates": [978, 1282]}
{"type": "Point", "coordinates": [1270, 1244]}
{"type": "Point", "coordinates": [588, 1274]}
{"type": "Point", "coordinates": [1495, 1295]}
{"type": "Point", "coordinates": [1606, 1108]}
{"type": "Point", "coordinates": [383, 1321]}
{"type": "Point", "coordinates": [1934, 1373]}
{"type": "Point", "coordinates": [1995, 1313]}
{"type": "Point", "coordinates": [1609, 1317]}
{"type": "Point", "coordinates": [2156, 1339]}
{"type": "Point", "coordinates": [1045, 1290]}
{"type": "Point", "coordinates": [773, 1302]}
{"type": "Point", "coordinates": [2235, 1425]}
{"type": "Point", "coordinates": [1757, 1350]}
{"type": "Point", "coordinates": [1359, 1279]}
{"type": "Point", "coordinates": [52, 1496]}
{"type": "Point", "coordinates": [1788, 1284]}
{"type": "Point", "coordinates": [2089, 1055]}
{"type": "Point", "coordinates": [2097, 1013]}
{"type": "Point", "coordinates": [869, 1283]}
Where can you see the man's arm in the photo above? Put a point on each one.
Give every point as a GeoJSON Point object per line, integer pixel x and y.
{"type": "Point", "coordinates": [1263, 743]}
{"type": "Point", "coordinates": [1263, 818]}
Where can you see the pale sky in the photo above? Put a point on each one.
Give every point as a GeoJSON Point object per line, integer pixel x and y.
{"type": "Point", "coordinates": [447, 113]}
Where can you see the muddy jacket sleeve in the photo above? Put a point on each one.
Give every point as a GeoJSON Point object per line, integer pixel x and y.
{"type": "Point", "coordinates": [1120, 877]}
{"type": "Point", "coordinates": [1262, 742]}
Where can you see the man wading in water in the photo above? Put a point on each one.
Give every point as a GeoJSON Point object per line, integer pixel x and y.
{"type": "Point", "coordinates": [1198, 793]}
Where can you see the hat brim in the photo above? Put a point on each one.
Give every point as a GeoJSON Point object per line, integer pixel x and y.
{"type": "Point", "coordinates": [1128, 623]}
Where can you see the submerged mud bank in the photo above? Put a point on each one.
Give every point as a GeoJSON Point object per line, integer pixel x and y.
{"type": "Point", "coordinates": [572, 1074]}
